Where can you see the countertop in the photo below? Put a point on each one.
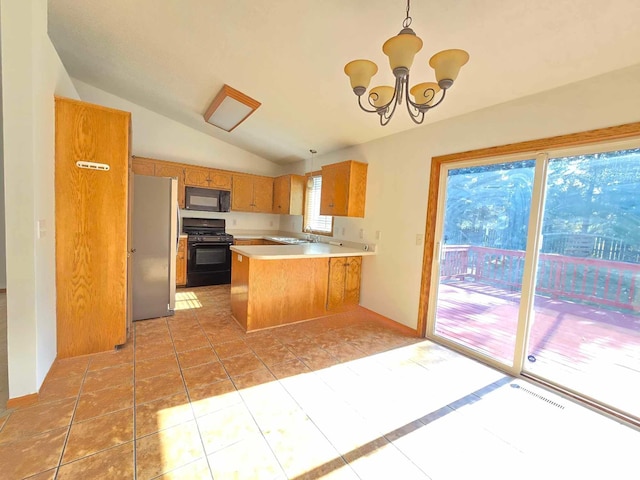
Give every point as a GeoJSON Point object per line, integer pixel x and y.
{"type": "Point", "coordinates": [304, 250]}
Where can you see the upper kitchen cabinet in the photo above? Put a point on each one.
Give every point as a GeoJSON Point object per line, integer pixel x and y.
{"type": "Point", "coordinates": [288, 194]}
{"type": "Point", "coordinates": [91, 204]}
{"type": "Point", "coordinates": [173, 170]}
{"type": "Point", "coordinates": [207, 177]}
{"type": "Point", "coordinates": [252, 193]}
{"type": "Point", "coordinates": [143, 166]}
{"type": "Point", "coordinates": [344, 188]}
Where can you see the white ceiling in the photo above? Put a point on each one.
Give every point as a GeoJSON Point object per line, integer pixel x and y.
{"type": "Point", "coordinates": [173, 56]}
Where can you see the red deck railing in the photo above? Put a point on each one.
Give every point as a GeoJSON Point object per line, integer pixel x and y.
{"type": "Point", "coordinates": [602, 282]}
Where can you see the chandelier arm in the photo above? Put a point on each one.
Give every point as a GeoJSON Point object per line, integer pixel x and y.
{"type": "Point", "coordinates": [384, 111]}
{"type": "Point", "coordinates": [444, 92]}
{"type": "Point", "coordinates": [364, 108]}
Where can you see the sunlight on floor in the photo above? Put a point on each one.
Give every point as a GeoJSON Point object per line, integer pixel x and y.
{"type": "Point", "coordinates": [187, 301]}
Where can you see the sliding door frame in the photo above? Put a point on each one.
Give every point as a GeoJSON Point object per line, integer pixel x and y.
{"type": "Point", "coordinates": [531, 147]}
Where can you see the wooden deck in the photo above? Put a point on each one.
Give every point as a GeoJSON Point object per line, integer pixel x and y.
{"type": "Point", "coordinates": [593, 350]}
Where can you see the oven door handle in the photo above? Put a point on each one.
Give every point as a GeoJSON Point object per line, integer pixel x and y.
{"type": "Point", "coordinates": [209, 244]}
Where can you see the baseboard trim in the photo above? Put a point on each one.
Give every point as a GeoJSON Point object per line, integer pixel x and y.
{"type": "Point", "coordinates": [23, 401]}
{"type": "Point", "coordinates": [394, 324]}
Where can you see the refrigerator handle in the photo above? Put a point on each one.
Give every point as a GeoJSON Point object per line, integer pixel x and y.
{"type": "Point", "coordinates": [178, 228]}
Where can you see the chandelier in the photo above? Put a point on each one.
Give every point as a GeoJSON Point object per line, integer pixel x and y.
{"type": "Point", "coordinates": [401, 49]}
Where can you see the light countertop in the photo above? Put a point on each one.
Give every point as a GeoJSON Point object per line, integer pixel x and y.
{"type": "Point", "coordinates": [304, 250]}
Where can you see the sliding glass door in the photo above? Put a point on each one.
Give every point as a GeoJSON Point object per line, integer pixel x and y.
{"type": "Point", "coordinates": [537, 269]}
{"type": "Point", "coordinates": [481, 253]}
{"type": "Point", "coordinates": [585, 324]}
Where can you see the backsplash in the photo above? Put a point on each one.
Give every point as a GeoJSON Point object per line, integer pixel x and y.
{"type": "Point", "coordinates": [238, 220]}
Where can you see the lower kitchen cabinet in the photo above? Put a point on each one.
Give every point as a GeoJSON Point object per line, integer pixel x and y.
{"type": "Point", "coordinates": [344, 282]}
{"type": "Point", "coordinates": [181, 263]}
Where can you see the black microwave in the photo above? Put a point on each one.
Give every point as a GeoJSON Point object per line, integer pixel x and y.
{"type": "Point", "coordinates": [207, 199]}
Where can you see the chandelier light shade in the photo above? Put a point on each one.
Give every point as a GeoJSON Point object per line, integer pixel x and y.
{"type": "Point", "coordinates": [401, 51]}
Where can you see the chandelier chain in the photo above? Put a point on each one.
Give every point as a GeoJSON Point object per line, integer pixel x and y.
{"type": "Point", "coordinates": [408, 19]}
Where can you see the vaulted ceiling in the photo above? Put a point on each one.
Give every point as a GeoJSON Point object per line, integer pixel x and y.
{"type": "Point", "coordinates": [173, 56]}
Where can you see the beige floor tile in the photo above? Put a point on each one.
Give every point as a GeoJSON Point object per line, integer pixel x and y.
{"type": "Point", "coordinates": [98, 434]}
{"type": "Point", "coordinates": [259, 341]}
{"type": "Point", "coordinates": [112, 376]}
{"type": "Point", "coordinates": [289, 369]}
{"type": "Point", "coordinates": [111, 359]}
{"type": "Point", "coordinates": [192, 342]}
{"type": "Point", "coordinates": [156, 366]}
{"type": "Point", "coordinates": [167, 450]}
{"type": "Point", "coordinates": [161, 386]}
{"type": "Point", "coordinates": [196, 377]}
{"type": "Point", "coordinates": [161, 414]}
{"type": "Point", "coordinates": [37, 419]}
{"type": "Point", "coordinates": [226, 427]}
{"type": "Point", "coordinates": [199, 356]}
{"type": "Point", "coordinates": [60, 388]}
{"type": "Point", "coordinates": [198, 470]}
{"type": "Point", "coordinates": [32, 455]}
{"type": "Point", "coordinates": [241, 364]}
{"type": "Point", "coordinates": [233, 348]}
{"type": "Point", "coordinates": [116, 463]}
{"type": "Point", "coordinates": [101, 402]}
{"type": "Point", "coordinates": [68, 367]}
{"type": "Point", "coordinates": [248, 459]}
{"type": "Point", "coordinates": [146, 351]}
{"type": "Point", "coordinates": [213, 397]}
{"type": "Point", "coordinates": [254, 378]}
{"type": "Point", "coordinates": [273, 355]}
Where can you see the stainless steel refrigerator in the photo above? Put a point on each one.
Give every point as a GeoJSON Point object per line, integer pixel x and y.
{"type": "Point", "coordinates": [154, 245]}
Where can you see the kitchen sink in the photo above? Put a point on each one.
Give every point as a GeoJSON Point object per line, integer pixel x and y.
{"type": "Point", "coordinates": [289, 240]}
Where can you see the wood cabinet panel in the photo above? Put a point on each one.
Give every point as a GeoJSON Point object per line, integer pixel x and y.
{"type": "Point", "coordinates": [173, 170]}
{"type": "Point", "coordinates": [196, 176]}
{"type": "Point", "coordinates": [181, 263]}
{"type": "Point", "coordinates": [252, 193]}
{"type": "Point", "coordinates": [263, 194]}
{"type": "Point", "coordinates": [344, 187]}
{"type": "Point", "coordinates": [242, 193]}
{"type": "Point", "coordinates": [288, 194]}
{"type": "Point", "coordinates": [143, 166]}
{"type": "Point", "coordinates": [344, 282]}
{"type": "Point", "coordinates": [219, 179]}
{"type": "Point", "coordinates": [91, 227]}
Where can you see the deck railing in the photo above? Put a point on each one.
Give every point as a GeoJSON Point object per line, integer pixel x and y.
{"type": "Point", "coordinates": [602, 282]}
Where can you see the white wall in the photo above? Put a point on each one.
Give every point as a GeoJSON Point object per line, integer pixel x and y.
{"type": "Point", "coordinates": [157, 136]}
{"type": "Point", "coordinates": [32, 74]}
{"type": "Point", "coordinates": [398, 174]}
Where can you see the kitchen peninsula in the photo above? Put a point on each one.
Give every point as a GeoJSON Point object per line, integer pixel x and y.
{"type": "Point", "coordinates": [275, 285]}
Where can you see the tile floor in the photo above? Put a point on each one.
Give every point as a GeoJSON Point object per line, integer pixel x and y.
{"type": "Point", "coordinates": [345, 397]}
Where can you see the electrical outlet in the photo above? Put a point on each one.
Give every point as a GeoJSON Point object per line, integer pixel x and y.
{"type": "Point", "coordinates": [271, 223]}
{"type": "Point", "coordinates": [234, 222]}
{"type": "Point", "coordinates": [362, 233]}
{"type": "Point", "coordinates": [419, 239]}
{"type": "Point", "coordinates": [378, 234]}
{"type": "Point", "coordinates": [343, 231]}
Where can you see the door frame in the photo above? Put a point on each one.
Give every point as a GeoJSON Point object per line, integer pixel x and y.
{"type": "Point", "coordinates": [609, 134]}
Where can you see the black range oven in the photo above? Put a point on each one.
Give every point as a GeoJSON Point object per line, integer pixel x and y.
{"type": "Point", "coordinates": [208, 252]}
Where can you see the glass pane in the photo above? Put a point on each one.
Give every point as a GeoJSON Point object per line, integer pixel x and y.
{"type": "Point", "coordinates": [585, 328]}
{"type": "Point", "coordinates": [482, 259]}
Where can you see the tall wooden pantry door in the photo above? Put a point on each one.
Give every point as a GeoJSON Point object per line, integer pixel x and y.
{"type": "Point", "coordinates": [91, 190]}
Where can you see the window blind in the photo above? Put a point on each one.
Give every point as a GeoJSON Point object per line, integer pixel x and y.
{"type": "Point", "coordinates": [313, 220]}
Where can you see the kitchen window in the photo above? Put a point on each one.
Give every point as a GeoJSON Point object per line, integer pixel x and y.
{"type": "Point", "coordinates": [313, 222]}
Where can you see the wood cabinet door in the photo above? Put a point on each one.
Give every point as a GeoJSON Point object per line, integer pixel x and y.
{"type": "Point", "coordinates": [242, 193]}
{"type": "Point", "coordinates": [298, 185]}
{"type": "Point", "coordinates": [174, 171]}
{"type": "Point", "coordinates": [196, 176]}
{"type": "Point", "coordinates": [335, 189]}
{"type": "Point", "coordinates": [91, 227]}
{"type": "Point", "coordinates": [337, 276]}
{"type": "Point", "coordinates": [143, 166]}
{"type": "Point", "coordinates": [353, 269]}
{"type": "Point", "coordinates": [262, 194]}
{"type": "Point", "coordinates": [281, 189]}
{"type": "Point", "coordinates": [219, 179]}
{"type": "Point", "coordinates": [181, 262]}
